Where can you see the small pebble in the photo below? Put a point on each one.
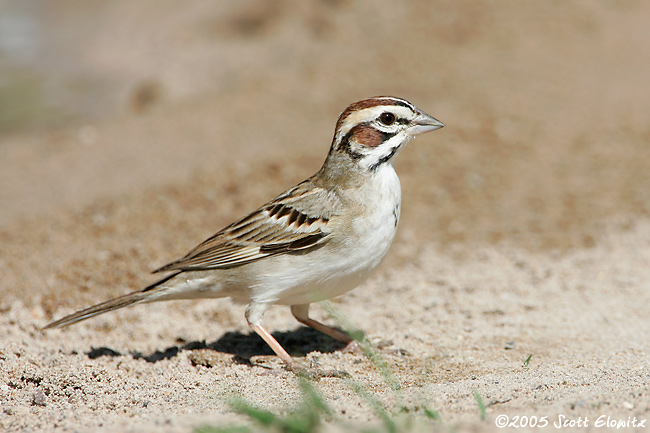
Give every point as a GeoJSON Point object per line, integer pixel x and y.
{"type": "Point", "coordinates": [39, 399]}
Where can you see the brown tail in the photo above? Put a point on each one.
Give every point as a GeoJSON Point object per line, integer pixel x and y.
{"type": "Point", "coordinates": [110, 305]}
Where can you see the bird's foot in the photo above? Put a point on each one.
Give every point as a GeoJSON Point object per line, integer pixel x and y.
{"type": "Point", "coordinates": [352, 347]}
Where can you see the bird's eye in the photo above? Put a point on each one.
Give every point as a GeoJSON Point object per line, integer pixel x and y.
{"type": "Point", "coordinates": [387, 118]}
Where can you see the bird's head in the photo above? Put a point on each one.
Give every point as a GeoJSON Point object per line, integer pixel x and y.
{"type": "Point", "coordinates": [372, 131]}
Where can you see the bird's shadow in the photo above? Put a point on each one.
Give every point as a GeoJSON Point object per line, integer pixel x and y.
{"type": "Point", "coordinates": [298, 343]}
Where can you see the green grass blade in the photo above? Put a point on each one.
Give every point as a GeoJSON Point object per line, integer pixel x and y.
{"type": "Point", "coordinates": [481, 405]}
{"type": "Point", "coordinates": [527, 361]}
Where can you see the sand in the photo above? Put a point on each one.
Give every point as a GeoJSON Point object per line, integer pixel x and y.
{"type": "Point", "coordinates": [525, 231]}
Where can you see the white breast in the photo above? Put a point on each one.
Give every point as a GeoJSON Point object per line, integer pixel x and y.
{"type": "Point", "coordinates": [376, 231]}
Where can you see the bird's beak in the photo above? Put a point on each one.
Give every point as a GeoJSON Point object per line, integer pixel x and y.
{"type": "Point", "coordinates": [424, 123]}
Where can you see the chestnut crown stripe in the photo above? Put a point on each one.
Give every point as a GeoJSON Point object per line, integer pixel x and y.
{"type": "Point", "coordinates": [369, 103]}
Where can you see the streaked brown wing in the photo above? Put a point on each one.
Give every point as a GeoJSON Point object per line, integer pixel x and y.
{"type": "Point", "coordinates": [283, 225]}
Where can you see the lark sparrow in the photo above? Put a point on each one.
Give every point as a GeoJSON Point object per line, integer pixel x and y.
{"type": "Point", "coordinates": [315, 241]}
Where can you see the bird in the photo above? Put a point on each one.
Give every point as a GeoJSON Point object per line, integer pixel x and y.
{"type": "Point", "coordinates": [315, 241]}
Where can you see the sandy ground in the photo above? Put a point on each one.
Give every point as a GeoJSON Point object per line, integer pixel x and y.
{"type": "Point", "coordinates": [525, 228]}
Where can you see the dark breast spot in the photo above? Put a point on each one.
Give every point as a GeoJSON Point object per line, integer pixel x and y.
{"type": "Point", "coordinates": [396, 214]}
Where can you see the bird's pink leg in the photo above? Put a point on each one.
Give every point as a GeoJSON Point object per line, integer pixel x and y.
{"type": "Point", "coordinates": [301, 313]}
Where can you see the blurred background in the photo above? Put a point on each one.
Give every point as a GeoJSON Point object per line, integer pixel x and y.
{"type": "Point", "coordinates": [130, 131]}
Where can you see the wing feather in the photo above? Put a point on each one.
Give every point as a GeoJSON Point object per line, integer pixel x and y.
{"type": "Point", "coordinates": [297, 220]}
